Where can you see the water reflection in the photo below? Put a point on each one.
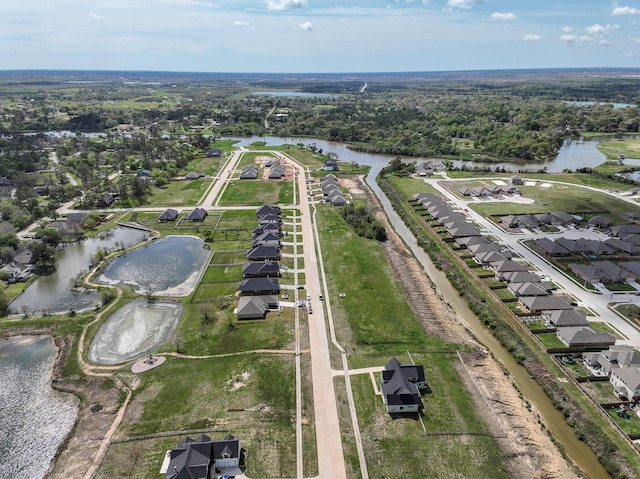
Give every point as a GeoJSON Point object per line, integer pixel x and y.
{"type": "Point", "coordinates": [169, 266]}
{"type": "Point", "coordinates": [35, 418]}
{"type": "Point", "coordinates": [52, 293]}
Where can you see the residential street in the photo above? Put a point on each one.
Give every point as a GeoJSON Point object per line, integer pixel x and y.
{"type": "Point", "coordinates": [598, 303]}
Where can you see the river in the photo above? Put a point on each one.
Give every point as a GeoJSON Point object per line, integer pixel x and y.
{"type": "Point", "coordinates": [573, 154]}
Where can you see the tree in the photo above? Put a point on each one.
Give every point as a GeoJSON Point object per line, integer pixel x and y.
{"type": "Point", "coordinates": [4, 304]}
{"type": "Point", "coordinates": [43, 256]}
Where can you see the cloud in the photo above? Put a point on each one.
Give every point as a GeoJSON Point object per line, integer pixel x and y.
{"type": "Point", "coordinates": [605, 43]}
{"type": "Point", "coordinates": [279, 5]}
{"type": "Point", "coordinates": [503, 16]}
{"type": "Point", "coordinates": [625, 11]}
{"type": "Point", "coordinates": [463, 3]}
{"type": "Point", "coordinates": [597, 29]}
{"type": "Point", "coordinates": [531, 38]}
{"type": "Point", "coordinates": [567, 29]}
{"type": "Point", "coordinates": [306, 26]}
{"type": "Point", "coordinates": [241, 23]}
{"type": "Point", "coordinates": [575, 39]}
{"type": "Point", "coordinates": [96, 16]}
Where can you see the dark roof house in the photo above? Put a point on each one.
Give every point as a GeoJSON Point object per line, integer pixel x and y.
{"type": "Point", "coordinates": [401, 385]}
{"type": "Point", "coordinates": [261, 269]}
{"type": "Point", "coordinates": [258, 286]}
{"type": "Point", "coordinates": [198, 214]}
{"type": "Point", "coordinates": [168, 215]}
{"type": "Point", "coordinates": [203, 458]}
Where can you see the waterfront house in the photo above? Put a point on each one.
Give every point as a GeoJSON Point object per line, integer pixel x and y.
{"type": "Point", "coordinates": [261, 269]}
{"type": "Point", "coordinates": [626, 382]}
{"type": "Point", "coordinates": [198, 214]}
{"type": "Point", "coordinates": [168, 215]}
{"type": "Point", "coordinates": [203, 458]}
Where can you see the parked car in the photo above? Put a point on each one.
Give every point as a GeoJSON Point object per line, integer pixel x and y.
{"type": "Point", "coordinates": [567, 359]}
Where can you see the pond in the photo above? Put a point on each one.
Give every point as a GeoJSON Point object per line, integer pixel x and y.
{"type": "Point", "coordinates": [53, 293]}
{"type": "Point", "coordinates": [134, 329]}
{"type": "Point", "coordinates": [35, 418]}
{"type": "Point", "coordinates": [170, 266]}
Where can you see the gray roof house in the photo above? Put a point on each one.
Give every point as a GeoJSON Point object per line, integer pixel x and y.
{"type": "Point", "coordinates": [261, 269]}
{"type": "Point", "coordinates": [631, 238]}
{"type": "Point", "coordinates": [564, 218]}
{"type": "Point", "coordinates": [264, 253]}
{"type": "Point", "coordinates": [269, 218]}
{"type": "Point", "coordinates": [194, 175]}
{"type": "Point", "coordinates": [537, 304]}
{"type": "Point", "coordinates": [586, 337]}
{"type": "Point", "coordinates": [551, 248]}
{"type": "Point", "coordinates": [563, 318]}
{"type": "Point", "coordinates": [508, 265]}
{"type": "Point", "coordinates": [198, 214]}
{"type": "Point", "coordinates": [633, 267]}
{"type": "Point", "coordinates": [617, 356]}
{"type": "Point", "coordinates": [268, 210]}
{"type": "Point", "coordinates": [594, 246]}
{"type": "Point", "coordinates": [472, 240]}
{"type": "Point", "coordinates": [168, 215]}
{"type": "Point", "coordinates": [621, 230]}
{"type": "Point", "coordinates": [611, 271]}
{"type": "Point", "coordinates": [256, 307]}
{"type": "Point", "coordinates": [599, 221]}
{"type": "Point", "coordinates": [490, 257]}
{"type": "Point", "coordinates": [462, 229]}
{"type": "Point", "coordinates": [586, 272]}
{"type": "Point", "coordinates": [483, 248]}
{"type": "Point", "coordinates": [203, 458]}
{"type": "Point", "coordinates": [626, 382]}
{"type": "Point", "coordinates": [214, 152]}
{"type": "Point", "coordinates": [573, 246]}
{"type": "Point", "coordinates": [267, 239]}
{"type": "Point", "coordinates": [528, 289]}
{"type": "Point", "coordinates": [519, 277]}
{"type": "Point", "coordinates": [622, 246]}
{"type": "Point", "coordinates": [401, 385]}
{"type": "Point", "coordinates": [267, 228]}
{"type": "Point", "coordinates": [258, 287]}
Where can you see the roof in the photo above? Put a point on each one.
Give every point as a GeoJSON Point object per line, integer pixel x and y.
{"type": "Point", "coordinates": [508, 265]}
{"type": "Point", "coordinates": [198, 214]}
{"type": "Point", "coordinates": [586, 271]}
{"type": "Point", "coordinates": [543, 303]}
{"type": "Point", "coordinates": [551, 247]}
{"type": "Point", "coordinates": [264, 252]}
{"type": "Point", "coordinates": [566, 318]}
{"type": "Point", "coordinates": [620, 230]}
{"type": "Point", "coordinates": [520, 277]}
{"type": "Point", "coordinates": [268, 210]}
{"type": "Point", "coordinates": [253, 286]}
{"type": "Point", "coordinates": [629, 376]}
{"type": "Point", "coordinates": [584, 336]}
{"type": "Point", "coordinates": [194, 459]}
{"type": "Point", "coordinates": [255, 307]}
{"type": "Point", "coordinates": [463, 229]}
{"type": "Point", "coordinates": [599, 221]}
{"type": "Point", "coordinates": [622, 246]}
{"type": "Point", "coordinates": [399, 383]}
{"type": "Point", "coordinates": [611, 270]}
{"type": "Point", "coordinates": [261, 269]}
{"type": "Point", "coordinates": [528, 289]}
{"type": "Point", "coordinates": [168, 215]}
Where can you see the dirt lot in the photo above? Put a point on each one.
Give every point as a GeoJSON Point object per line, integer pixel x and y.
{"type": "Point", "coordinates": [528, 449]}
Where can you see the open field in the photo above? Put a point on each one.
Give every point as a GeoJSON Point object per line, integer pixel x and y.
{"type": "Point", "coordinates": [179, 193]}
{"type": "Point", "coordinates": [612, 149]}
{"type": "Point", "coordinates": [257, 192]}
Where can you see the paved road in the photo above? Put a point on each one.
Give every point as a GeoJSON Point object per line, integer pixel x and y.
{"type": "Point", "coordinates": [598, 303]}
{"type": "Point", "coordinates": [331, 463]}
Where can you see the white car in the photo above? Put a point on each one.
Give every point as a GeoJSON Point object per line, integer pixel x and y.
{"type": "Point", "coordinates": [308, 297]}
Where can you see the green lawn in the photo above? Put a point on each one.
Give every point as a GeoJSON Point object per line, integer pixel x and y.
{"type": "Point", "coordinates": [257, 192]}
{"type": "Point", "coordinates": [179, 193]}
{"type": "Point", "coordinates": [612, 149]}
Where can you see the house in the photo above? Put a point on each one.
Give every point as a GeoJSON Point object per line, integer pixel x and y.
{"type": "Point", "coordinates": [483, 248]}
{"type": "Point", "coordinates": [564, 218]}
{"type": "Point", "coordinates": [516, 180]}
{"type": "Point", "coordinates": [249, 172]}
{"type": "Point", "coordinates": [626, 382]}
{"type": "Point", "coordinates": [617, 356]}
{"type": "Point", "coordinates": [331, 165]}
{"type": "Point", "coordinates": [144, 173]}
{"type": "Point", "coordinates": [17, 272]}
{"type": "Point", "coordinates": [622, 246]}
{"type": "Point", "coordinates": [106, 200]}
{"type": "Point", "coordinates": [528, 289]}
{"type": "Point", "coordinates": [214, 153]}
{"type": "Point", "coordinates": [633, 267]}
{"type": "Point", "coordinates": [401, 386]}
{"type": "Point", "coordinates": [573, 246]}
{"type": "Point", "coordinates": [255, 307]}
{"type": "Point", "coordinates": [203, 458]}
{"type": "Point", "coordinates": [519, 277]}
{"type": "Point", "coordinates": [563, 318]}
{"type": "Point", "coordinates": [276, 172]}
{"type": "Point", "coordinates": [537, 304]}
{"type": "Point", "coordinates": [594, 246]}
{"type": "Point", "coordinates": [77, 218]}
{"type": "Point", "coordinates": [551, 248]}
{"type": "Point", "coordinates": [261, 269]}
{"type": "Point", "coordinates": [508, 265]}
{"type": "Point", "coordinates": [267, 239]}
{"type": "Point", "coordinates": [168, 215]}
{"type": "Point", "coordinates": [268, 210]}
{"type": "Point", "coordinates": [269, 219]}
{"type": "Point", "coordinates": [584, 336]}
{"type": "Point", "coordinates": [459, 230]}
{"type": "Point", "coordinates": [622, 230]}
{"type": "Point", "coordinates": [267, 228]}
{"type": "Point", "coordinates": [258, 286]}
{"type": "Point", "coordinates": [611, 271]}
{"type": "Point", "coordinates": [490, 257]}
{"type": "Point", "coordinates": [338, 200]}
{"type": "Point", "coordinates": [587, 272]}
{"type": "Point", "coordinates": [198, 214]}
{"type": "Point", "coordinates": [630, 238]}
{"type": "Point", "coordinates": [472, 240]}
{"type": "Point", "coordinates": [193, 175]}
{"type": "Point", "coordinates": [632, 215]}
{"type": "Point", "coordinates": [422, 196]}
{"type": "Point", "coordinates": [264, 253]}
{"type": "Point", "coordinates": [599, 222]}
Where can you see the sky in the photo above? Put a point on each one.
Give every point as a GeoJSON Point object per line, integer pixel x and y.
{"type": "Point", "coordinates": [317, 36]}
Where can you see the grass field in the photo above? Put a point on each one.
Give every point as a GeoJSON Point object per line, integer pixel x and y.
{"type": "Point", "coordinates": [612, 149]}
{"type": "Point", "coordinates": [257, 192]}
{"type": "Point", "coordinates": [179, 193]}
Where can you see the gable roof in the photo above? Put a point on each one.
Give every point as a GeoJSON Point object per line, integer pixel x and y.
{"type": "Point", "coordinates": [551, 247]}
{"type": "Point", "coordinates": [257, 286]}
{"type": "Point", "coordinates": [562, 318]}
{"type": "Point", "coordinates": [261, 269]}
{"type": "Point", "coordinates": [584, 336]}
{"type": "Point", "coordinates": [399, 383]}
{"type": "Point", "coordinates": [268, 210]}
{"type": "Point", "coordinates": [543, 303]}
{"type": "Point", "coordinates": [198, 214]}
{"type": "Point", "coordinates": [599, 221]}
{"type": "Point", "coordinates": [255, 307]}
{"type": "Point", "coordinates": [264, 253]}
{"type": "Point", "coordinates": [168, 215]}
{"type": "Point", "coordinates": [520, 277]}
{"type": "Point", "coordinates": [528, 289]}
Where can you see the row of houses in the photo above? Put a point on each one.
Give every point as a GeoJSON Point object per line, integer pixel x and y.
{"type": "Point", "coordinates": [534, 294]}
{"type": "Point", "coordinates": [276, 171]}
{"type": "Point", "coordinates": [196, 215]}
{"type": "Point", "coordinates": [607, 271]}
{"type": "Point", "coordinates": [260, 288]}
{"type": "Point", "coordinates": [489, 191]}
{"type": "Point", "coordinates": [531, 221]}
{"type": "Point", "coordinates": [331, 190]}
